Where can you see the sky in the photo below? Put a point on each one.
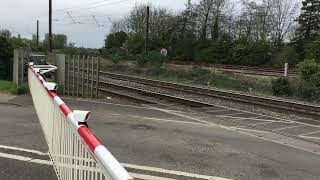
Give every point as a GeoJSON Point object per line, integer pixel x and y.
{"type": "Point", "coordinates": [72, 17]}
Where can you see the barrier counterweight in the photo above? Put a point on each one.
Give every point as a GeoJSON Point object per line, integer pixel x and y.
{"type": "Point", "coordinates": [75, 152]}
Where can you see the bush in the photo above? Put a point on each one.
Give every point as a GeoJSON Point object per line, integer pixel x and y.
{"type": "Point", "coordinates": [308, 68]}
{"type": "Point", "coordinates": [152, 59]}
{"type": "Point", "coordinates": [281, 87]}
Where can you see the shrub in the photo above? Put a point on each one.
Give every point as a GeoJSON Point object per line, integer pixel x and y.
{"type": "Point", "coordinates": [281, 87]}
{"type": "Point", "coordinates": [308, 68]}
{"type": "Point", "coordinates": [153, 59]}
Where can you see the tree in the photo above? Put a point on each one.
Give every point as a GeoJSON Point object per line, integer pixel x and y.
{"type": "Point", "coordinates": [309, 20]}
{"type": "Point", "coordinates": [59, 41]}
{"type": "Point", "coordinates": [116, 40]}
{"type": "Point", "coordinates": [6, 33]}
{"type": "Point", "coordinates": [283, 18]}
{"type": "Point", "coordinates": [6, 53]}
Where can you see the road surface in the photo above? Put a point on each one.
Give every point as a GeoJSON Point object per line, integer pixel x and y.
{"type": "Point", "coordinates": [151, 141]}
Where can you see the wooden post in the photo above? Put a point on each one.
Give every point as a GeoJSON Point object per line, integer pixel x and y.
{"type": "Point", "coordinates": [82, 77]}
{"type": "Point", "coordinates": [97, 79]}
{"type": "Point", "coordinates": [69, 73]}
{"type": "Point", "coordinates": [78, 76]}
{"type": "Point", "coordinates": [73, 75]}
{"type": "Point", "coordinates": [92, 77]}
{"type": "Point", "coordinates": [88, 73]}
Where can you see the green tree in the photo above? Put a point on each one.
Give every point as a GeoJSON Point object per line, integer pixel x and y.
{"type": "Point", "coordinates": [6, 53]}
{"type": "Point", "coordinates": [59, 41]}
{"type": "Point", "coordinates": [308, 68]}
{"type": "Point", "coordinates": [116, 40]}
{"type": "Point", "coordinates": [309, 20]}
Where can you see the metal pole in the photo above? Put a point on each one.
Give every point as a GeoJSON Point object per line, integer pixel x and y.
{"type": "Point", "coordinates": [37, 33]}
{"type": "Point", "coordinates": [92, 77]}
{"type": "Point", "coordinates": [147, 30]}
{"type": "Point", "coordinates": [50, 26]}
{"type": "Point", "coordinates": [82, 77]}
{"type": "Point", "coordinates": [73, 75]}
{"type": "Point", "coordinates": [97, 80]}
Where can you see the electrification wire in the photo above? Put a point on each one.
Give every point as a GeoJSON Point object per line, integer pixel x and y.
{"type": "Point", "coordinates": [93, 7]}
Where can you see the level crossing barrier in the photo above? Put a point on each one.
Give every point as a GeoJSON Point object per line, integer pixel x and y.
{"type": "Point", "coordinates": [75, 152]}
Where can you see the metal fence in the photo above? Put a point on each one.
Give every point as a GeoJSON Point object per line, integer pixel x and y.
{"type": "Point", "coordinates": [75, 152]}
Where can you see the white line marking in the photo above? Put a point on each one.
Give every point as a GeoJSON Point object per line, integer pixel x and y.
{"type": "Point", "coordinates": [232, 114]}
{"type": "Point", "coordinates": [310, 137]}
{"type": "Point", "coordinates": [132, 166]}
{"type": "Point", "coordinates": [179, 173]}
{"type": "Point", "coordinates": [148, 177]}
{"type": "Point", "coordinates": [98, 102]}
{"type": "Point", "coordinates": [290, 127]}
{"type": "Point", "coordinates": [213, 111]}
{"type": "Point", "coordinates": [239, 117]}
{"type": "Point", "coordinates": [26, 159]}
{"type": "Point", "coordinates": [22, 149]}
{"type": "Point", "coordinates": [252, 135]}
{"type": "Point", "coordinates": [157, 119]}
{"type": "Point", "coordinates": [314, 132]}
{"type": "Point", "coordinates": [270, 122]}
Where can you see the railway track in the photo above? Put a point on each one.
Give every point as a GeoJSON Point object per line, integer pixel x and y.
{"type": "Point", "coordinates": [249, 70]}
{"type": "Point", "coordinates": [269, 103]}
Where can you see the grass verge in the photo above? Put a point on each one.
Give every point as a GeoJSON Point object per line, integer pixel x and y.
{"type": "Point", "coordinates": [10, 87]}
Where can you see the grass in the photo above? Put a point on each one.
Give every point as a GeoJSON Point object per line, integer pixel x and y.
{"type": "Point", "coordinates": [200, 77]}
{"type": "Point", "coordinates": [10, 87]}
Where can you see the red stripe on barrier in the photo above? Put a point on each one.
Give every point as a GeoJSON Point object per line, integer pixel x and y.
{"type": "Point", "coordinates": [65, 109]}
{"type": "Point", "coordinates": [51, 94]}
{"type": "Point", "coordinates": [89, 138]}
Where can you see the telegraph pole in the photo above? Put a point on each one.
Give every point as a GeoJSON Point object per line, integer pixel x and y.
{"type": "Point", "coordinates": [50, 26]}
{"type": "Point", "coordinates": [37, 33]}
{"type": "Point", "coordinates": [147, 30]}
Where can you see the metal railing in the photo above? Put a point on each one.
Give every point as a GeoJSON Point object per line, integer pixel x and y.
{"type": "Point", "coordinates": [75, 152]}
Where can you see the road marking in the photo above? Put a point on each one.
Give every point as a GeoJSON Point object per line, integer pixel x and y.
{"type": "Point", "coordinates": [309, 133]}
{"type": "Point", "coordinates": [290, 127]}
{"type": "Point", "coordinates": [270, 122]}
{"type": "Point", "coordinates": [254, 116]}
{"type": "Point", "coordinates": [310, 137]}
{"type": "Point", "coordinates": [26, 159]}
{"type": "Point", "coordinates": [172, 172]}
{"type": "Point", "coordinates": [98, 102]}
{"type": "Point", "coordinates": [238, 113]}
{"type": "Point", "coordinates": [157, 119]}
{"type": "Point", "coordinates": [22, 149]}
{"type": "Point", "coordinates": [148, 177]}
{"type": "Point", "coordinates": [253, 135]}
{"type": "Point", "coordinates": [126, 165]}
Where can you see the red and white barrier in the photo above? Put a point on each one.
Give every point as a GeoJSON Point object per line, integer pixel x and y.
{"type": "Point", "coordinates": [75, 152]}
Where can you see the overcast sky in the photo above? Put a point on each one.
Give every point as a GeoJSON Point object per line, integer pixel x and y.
{"type": "Point", "coordinates": [19, 16]}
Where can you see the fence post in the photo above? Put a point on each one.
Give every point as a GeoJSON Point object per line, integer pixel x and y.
{"type": "Point", "coordinates": [92, 76]}
{"type": "Point", "coordinates": [88, 73]}
{"type": "Point", "coordinates": [98, 78]}
{"type": "Point", "coordinates": [78, 74]}
{"type": "Point", "coordinates": [82, 77]}
{"type": "Point", "coordinates": [68, 77]}
{"type": "Point", "coordinates": [73, 75]}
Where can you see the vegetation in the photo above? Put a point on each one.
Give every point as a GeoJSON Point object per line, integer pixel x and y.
{"type": "Point", "coordinates": [10, 87]}
{"type": "Point", "coordinates": [281, 87]}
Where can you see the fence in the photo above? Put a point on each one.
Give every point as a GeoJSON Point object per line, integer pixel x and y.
{"type": "Point", "coordinates": [82, 76]}
{"type": "Point", "coordinates": [75, 152]}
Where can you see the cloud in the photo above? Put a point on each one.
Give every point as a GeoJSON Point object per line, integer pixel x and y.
{"type": "Point", "coordinates": [21, 16]}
